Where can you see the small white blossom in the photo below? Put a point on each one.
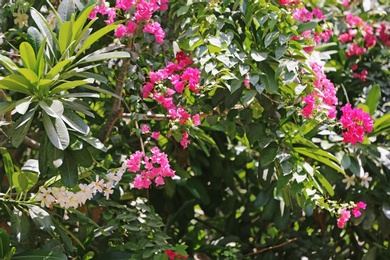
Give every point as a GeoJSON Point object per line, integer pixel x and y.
{"type": "Point", "coordinates": [349, 180]}
{"type": "Point", "coordinates": [365, 180]}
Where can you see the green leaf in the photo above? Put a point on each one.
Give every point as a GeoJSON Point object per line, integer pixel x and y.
{"type": "Point", "coordinates": [41, 218]}
{"type": "Point", "coordinates": [8, 64]}
{"type": "Point", "coordinates": [95, 37]}
{"type": "Point", "coordinates": [23, 181]}
{"type": "Point", "coordinates": [40, 254]}
{"type": "Point", "coordinates": [4, 243]}
{"type": "Point", "coordinates": [270, 37]}
{"type": "Point", "coordinates": [104, 56]}
{"type": "Point", "coordinates": [75, 122]}
{"type": "Point", "coordinates": [94, 142]}
{"type": "Point", "coordinates": [268, 155]}
{"type": "Point", "coordinates": [20, 225]}
{"type": "Point", "coordinates": [68, 85]}
{"type": "Point", "coordinates": [198, 190]}
{"type": "Point", "coordinates": [57, 132]}
{"type": "Point", "coordinates": [324, 182]}
{"type": "Point", "coordinates": [6, 106]}
{"type": "Point", "coordinates": [386, 209]}
{"type": "Point", "coordinates": [17, 83]}
{"type": "Point", "coordinates": [65, 35]}
{"type": "Point", "coordinates": [259, 56]}
{"type": "Point", "coordinates": [29, 75]}
{"type": "Point", "coordinates": [27, 55]}
{"type": "Point", "coordinates": [66, 9]}
{"type": "Point", "coordinates": [8, 164]}
{"type": "Point", "coordinates": [320, 156]}
{"type": "Point", "coordinates": [373, 97]}
{"type": "Point", "coordinates": [53, 108]}
{"type": "Point", "coordinates": [49, 156]}
{"type": "Point", "coordinates": [68, 170]}
{"type": "Point", "coordinates": [381, 124]}
{"type": "Point", "coordinates": [83, 157]}
{"type": "Point", "coordinates": [21, 127]}
{"type": "Point", "coordinates": [35, 38]}
{"type": "Point", "coordinates": [58, 67]}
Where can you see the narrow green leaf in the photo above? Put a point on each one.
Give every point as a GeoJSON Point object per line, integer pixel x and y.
{"type": "Point", "coordinates": [75, 122]}
{"type": "Point", "coordinates": [97, 77]}
{"type": "Point", "coordinates": [83, 157]}
{"type": "Point", "coordinates": [27, 55]}
{"type": "Point", "coordinates": [41, 218]}
{"type": "Point", "coordinates": [40, 254]}
{"type": "Point", "coordinates": [105, 56]}
{"type": "Point", "coordinates": [324, 182]}
{"type": "Point", "coordinates": [29, 75]}
{"type": "Point", "coordinates": [21, 127]}
{"type": "Point", "coordinates": [4, 243]}
{"type": "Point", "coordinates": [20, 225]}
{"type": "Point", "coordinates": [318, 157]}
{"type": "Point", "coordinates": [68, 169]}
{"type": "Point", "coordinates": [94, 142]}
{"type": "Point", "coordinates": [373, 97]}
{"type": "Point", "coordinates": [58, 67]}
{"type": "Point", "coordinates": [259, 56]}
{"type": "Point", "coordinates": [270, 37]}
{"type": "Point", "coordinates": [35, 38]}
{"type": "Point", "coordinates": [65, 35]}
{"type": "Point", "coordinates": [66, 9]}
{"type": "Point", "coordinates": [8, 164]}
{"type": "Point", "coordinates": [95, 37]}
{"type": "Point", "coordinates": [68, 85]}
{"type": "Point", "coordinates": [49, 156]}
{"type": "Point", "coordinates": [57, 131]}
{"type": "Point", "coordinates": [53, 108]}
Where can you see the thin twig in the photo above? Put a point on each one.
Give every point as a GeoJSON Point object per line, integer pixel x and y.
{"type": "Point", "coordinates": [271, 247]}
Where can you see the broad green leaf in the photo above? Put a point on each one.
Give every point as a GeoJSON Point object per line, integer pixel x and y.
{"type": "Point", "coordinates": [4, 243]}
{"type": "Point", "coordinates": [27, 54]}
{"type": "Point", "coordinates": [259, 56]}
{"type": "Point", "coordinates": [68, 85]}
{"type": "Point", "coordinates": [23, 181]}
{"type": "Point", "coordinates": [198, 190]}
{"type": "Point", "coordinates": [29, 75]}
{"type": "Point", "coordinates": [57, 131]}
{"type": "Point", "coordinates": [53, 108]}
{"type": "Point", "coordinates": [314, 154]}
{"type": "Point", "coordinates": [66, 9]}
{"type": "Point", "coordinates": [95, 37]}
{"type": "Point", "coordinates": [79, 23]}
{"type": "Point", "coordinates": [83, 157]}
{"type": "Point", "coordinates": [386, 209]}
{"type": "Point", "coordinates": [268, 155]}
{"type": "Point", "coordinates": [49, 156]}
{"type": "Point", "coordinates": [6, 106]}
{"type": "Point", "coordinates": [95, 76]}
{"type": "Point", "coordinates": [324, 182]}
{"type": "Point", "coordinates": [75, 122]}
{"type": "Point", "coordinates": [41, 218]}
{"type": "Point", "coordinates": [79, 106]}
{"type": "Point", "coordinates": [20, 225]}
{"type": "Point", "coordinates": [65, 35]}
{"type": "Point", "coordinates": [68, 170]}
{"type": "Point", "coordinates": [94, 142]}
{"type": "Point", "coordinates": [373, 97]}
{"type": "Point", "coordinates": [21, 127]}
{"type": "Point", "coordinates": [270, 37]}
{"type": "Point", "coordinates": [381, 124]}
{"type": "Point", "coordinates": [35, 38]}
{"type": "Point", "coordinates": [40, 254]}
{"type": "Point", "coordinates": [17, 83]}
{"type": "Point", "coordinates": [8, 164]}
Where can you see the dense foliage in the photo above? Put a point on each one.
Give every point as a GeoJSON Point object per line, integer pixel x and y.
{"type": "Point", "coordinates": [206, 129]}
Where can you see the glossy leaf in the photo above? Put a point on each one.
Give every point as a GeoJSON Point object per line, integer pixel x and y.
{"type": "Point", "coordinates": [27, 55]}
{"type": "Point", "coordinates": [41, 218]}
{"type": "Point", "coordinates": [40, 254]}
{"type": "Point", "coordinates": [20, 225]}
{"type": "Point", "coordinates": [75, 122]}
{"type": "Point", "coordinates": [8, 164]}
{"type": "Point", "coordinates": [23, 181]}
{"type": "Point", "coordinates": [35, 38]}
{"type": "Point", "coordinates": [4, 243]}
{"type": "Point", "coordinates": [22, 126]}
{"type": "Point", "coordinates": [68, 170]}
{"type": "Point", "coordinates": [56, 131]}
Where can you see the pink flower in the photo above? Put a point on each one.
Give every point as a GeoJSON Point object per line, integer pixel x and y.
{"type": "Point", "coordinates": [130, 28]}
{"type": "Point", "coordinates": [355, 123]}
{"type": "Point", "coordinates": [196, 119]}
{"type": "Point", "coordinates": [345, 216]}
{"type": "Point", "coordinates": [184, 140]}
{"type": "Point", "coordinates": [155, 28]}
{"type": "Point", "coordinates": [144, 10]}
{"type": "Point", "coordinates": [318, 13]}
{"type": "Point", "coordinates": [310, 102]}
{"type": "Point", "coordinates": [370, 40]}
{"type": "Point", "coordinates": [346, 3]}
{"type": "Point", "coordinates": [356, 210]}
{"type": "Point", "coordinates": [124, 4]}
{"type": "Point", "coordinates": [155, 135]}
{"type": "Point", "coordinates": [302, 15]}
{"type": "Point", "coordinates": [120, 31]}
{"type": "Point", "coordinates": [145, 128]}
{"type": "Point", "coordinates": [308, 49]}
{"type": "Point", "coordinates": [354, 67]}
{"type": "Point", "coordinates": [134, 163]}
{"type": "Point", "coordinates": [191, 75]}
{"type": "Point", "coordinates": [246, 82]}
{"type": "Point", "coordinates": [149, 86]}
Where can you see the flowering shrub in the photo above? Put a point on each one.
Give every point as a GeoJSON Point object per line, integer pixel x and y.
{"type": "Point", "coordinates": [221, 116]}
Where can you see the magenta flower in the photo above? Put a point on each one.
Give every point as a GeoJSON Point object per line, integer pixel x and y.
{"type": "Point", "coordinates": [355, 123]}
{"type": "Point", "coordinates": [356, 210]}
{"type": "Point", "coordinates": [345, 216]}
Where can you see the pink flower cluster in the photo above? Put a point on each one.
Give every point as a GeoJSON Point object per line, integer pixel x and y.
{"type": "Point", "coordinates": [384, 33]}
{"type": "Point", "coordinates": [304, 15]}
{"type": "Point", "coordinates": [362, 75]}
{"type": "Point", "coordinates": [156, 168]}
{"type": "Point", "coordinates": [317, 37]}
{"type": "Point", "coordinates": [289, 2]}
{"type": "Point", "coordinates": [345, 214]}
{"type": "Point", "coordinates": [143, 11]}
{"type": "Point", "coordinates": [323, 96]}
{"type": "Point", "coordinates": [181, 77]}
{"type": "Point", "coordinates": [173, 255]}
{"type": "Point", "coordinates": [355, 123]}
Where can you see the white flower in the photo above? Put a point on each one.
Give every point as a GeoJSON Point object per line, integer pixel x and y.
{"type": "Point", "coordinates": [97, 186]}
{"type": "Point", "coordinates": [21, 19]}
{"type": "Point", "coordinates": [85, 193]}
{"type": "Point", "coordinates": [365, 179]}
{"type": "Point", "coordinates": [349, 180]}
